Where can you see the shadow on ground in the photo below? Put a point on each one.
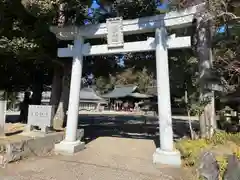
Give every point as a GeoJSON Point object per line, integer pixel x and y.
{"type": "Point", "coordinates": [137, 127]}
{"type": "Point", "coordinates": [12, 118]}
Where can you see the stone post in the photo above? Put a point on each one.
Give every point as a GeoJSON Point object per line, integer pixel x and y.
{"type": "Point", "coordinates": [3, 106]}
{"type": "Point", "coordinates": [71, 144]}
{"type": "Point", "coordinates": [166, 153]}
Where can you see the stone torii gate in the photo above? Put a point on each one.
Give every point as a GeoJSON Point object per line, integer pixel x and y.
{"type": "Point", "coordinates": [114, 30]}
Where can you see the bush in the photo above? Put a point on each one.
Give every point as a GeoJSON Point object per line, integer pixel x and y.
{"type": "Point", "coordinates": [223, 137]}
{"type": "Point", "coordinates": [236, 152]}
{"type": "Point", "coordinates": [234, 138]}
{"type": "Point", "coordinates": [190, 150]}
{"type": "Point", "coordinates": [218, 138]}
{"type": "Point", "coordinates": [222, 162]}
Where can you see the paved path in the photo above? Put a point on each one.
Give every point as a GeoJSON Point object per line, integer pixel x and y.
{"type": "Point", "coordinates": [105, 158]}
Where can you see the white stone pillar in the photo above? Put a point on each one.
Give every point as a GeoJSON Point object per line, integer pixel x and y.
{"type": "Point", "coordinates": [166, 153]}
{"type": "Point", "coordinates": [71, 144]}
{"type": "Point", "coordinates": [3, 106]}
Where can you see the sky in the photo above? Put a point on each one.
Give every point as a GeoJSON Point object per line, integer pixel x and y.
{"type": "Point", "coordinates": [95, 5]}
{"type": "Point", "coordinates": [221, 29]}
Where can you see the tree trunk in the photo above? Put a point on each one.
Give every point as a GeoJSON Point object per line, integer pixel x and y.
{"type": "Point", "coordinates": [213, 122]}
{"type": "Point", "coordinates": [60, 116]}
{"type": "Point", "coordinates": [189, 116]}
{"type": "Point", "coordinates": [206, 128]}
{"type": "Point", "coordinates": [37, 88]}
{"type": "Point", "coordinates": [59, 119]}
{"type": "Point", "coordinates": [207, 118]}
{"type": "Point", "coordinates": [56, 88]}
{"type": "Point", "coordinates": [56, 93]}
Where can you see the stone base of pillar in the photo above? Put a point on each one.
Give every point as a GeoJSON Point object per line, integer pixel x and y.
{"type": "Point", "coordinates": [69, 148]}
{"type": "Point", "coordinates": [168, 158]}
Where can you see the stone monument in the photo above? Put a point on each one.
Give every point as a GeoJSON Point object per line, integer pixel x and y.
{"type": "Point", "coordinates": [208, 168]}
{"type": "Point", "coordinates": [40, 116]}
{"type": "Point", "coordinates": [233, 169]}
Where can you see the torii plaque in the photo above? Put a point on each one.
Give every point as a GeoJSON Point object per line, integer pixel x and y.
{"type": "Point", "coordinates": [115, 37]}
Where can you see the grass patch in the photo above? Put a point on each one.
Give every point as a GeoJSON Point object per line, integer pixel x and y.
{"type": "Point", "coordinates": [221, 144]}
{"type": "Point", "coordinates": [191, 149]}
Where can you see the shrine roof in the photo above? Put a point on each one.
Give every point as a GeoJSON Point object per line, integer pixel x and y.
{"type": "Point", "coordinates": [120, 91]}
{"type": "Point", "coordinates": [89, 94]}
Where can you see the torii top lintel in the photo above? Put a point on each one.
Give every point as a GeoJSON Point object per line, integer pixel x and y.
{"type": "Point", "coordinates": [173, 19]}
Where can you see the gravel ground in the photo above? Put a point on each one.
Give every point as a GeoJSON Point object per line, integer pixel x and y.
{"type": "Point", "coordinates": [105, 158]}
